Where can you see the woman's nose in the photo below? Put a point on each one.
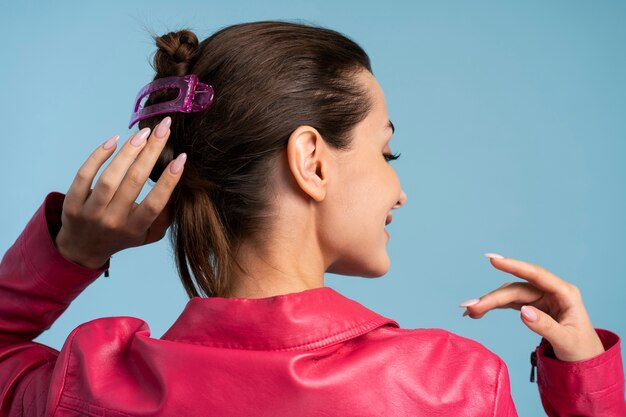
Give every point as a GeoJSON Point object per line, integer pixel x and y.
{"type": "Point", "coordinates": [402, 199]}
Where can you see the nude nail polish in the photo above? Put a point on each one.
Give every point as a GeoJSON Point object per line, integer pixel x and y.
{"type": "Point", "coordinates": [494, 256]}
{"type": "Point", "coordinates": [471, 302]}
{"type": "Point", "coordinates": [140, 137]}
{"type": "Point", "coordinates": [110, 142]}
{"type": "Point", "coordinates": [161, 129]}
{"type": "Point", "coordinates": [528, 313]}
{"type": "Point", "coordinates": [178, 164]}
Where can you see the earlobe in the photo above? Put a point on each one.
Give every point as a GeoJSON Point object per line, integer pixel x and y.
{"type": "Point", "coordinates": [307, 162]}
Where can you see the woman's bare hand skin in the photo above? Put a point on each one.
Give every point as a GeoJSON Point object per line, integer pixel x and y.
{"type": "Point", "coordinates": [550, 307]}
{"type": "Point", "coordinates": [100, 222]}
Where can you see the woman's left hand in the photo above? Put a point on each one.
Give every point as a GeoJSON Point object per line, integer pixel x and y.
{"type": "Point", "coordinates": [550, 307]}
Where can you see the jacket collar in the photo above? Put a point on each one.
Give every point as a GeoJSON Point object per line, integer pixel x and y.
{"type": "Point", "coordinates": [304, 320]}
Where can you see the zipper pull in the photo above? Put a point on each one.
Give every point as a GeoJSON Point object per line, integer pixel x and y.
{"type": "Point", "coordinates": [106, 273]}
{"type": "Point", "coordinates": [533, 363]}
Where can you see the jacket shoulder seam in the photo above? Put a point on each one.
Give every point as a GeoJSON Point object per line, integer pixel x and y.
{"type": "Point", "coordinates": [71, 338]}
{"type": "Point", "coordinates": [497, 391]}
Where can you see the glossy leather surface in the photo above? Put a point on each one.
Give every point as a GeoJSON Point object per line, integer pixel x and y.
{"type": "Point", "coordinates": [313, 353]}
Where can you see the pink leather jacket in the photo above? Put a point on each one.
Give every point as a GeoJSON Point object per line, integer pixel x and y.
{"type": "Point", "coordinates": [313, 353]}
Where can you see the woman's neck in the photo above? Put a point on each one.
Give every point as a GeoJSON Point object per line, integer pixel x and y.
{"type": "Point", "coordinates": [282, 269]}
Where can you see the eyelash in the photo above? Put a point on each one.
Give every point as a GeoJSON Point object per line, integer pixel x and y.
{"type": "Point", "coordinates": [391, 157]}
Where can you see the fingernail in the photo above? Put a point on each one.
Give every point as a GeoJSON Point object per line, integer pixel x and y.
{"type": "Point", "coordinates": [110, 142]}
{"type": "Point", "coordinates": [140, 137]}
{"type": "Point", "coordinates": [494, 256]}
{"type": "Point", "coordinates": [161, 129]}
{"type": "Point", "coordinates": [178, 164]}
{"type": "Point", "coordinates": [529, 314]}
{"type": "Point", "coordinates": [471, 302]}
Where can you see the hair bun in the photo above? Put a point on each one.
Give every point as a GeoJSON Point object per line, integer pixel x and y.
{"type": "Point", "coordinates": [177, 52]}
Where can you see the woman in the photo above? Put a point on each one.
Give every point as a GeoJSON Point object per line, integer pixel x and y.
{"type": "Point", "coordinates": [288, 142]}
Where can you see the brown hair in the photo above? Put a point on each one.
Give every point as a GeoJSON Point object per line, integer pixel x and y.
{"type": "Point", "coordinates": [269, 78]}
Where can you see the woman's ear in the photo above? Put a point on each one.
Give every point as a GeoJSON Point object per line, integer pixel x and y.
{"type": "Point", "coordinates": [308, 159]}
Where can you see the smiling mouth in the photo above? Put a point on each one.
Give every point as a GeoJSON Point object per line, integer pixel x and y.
{"type": "Point", "coordinates": [388, 220]}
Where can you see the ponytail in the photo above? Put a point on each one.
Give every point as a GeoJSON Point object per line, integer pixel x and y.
{"type": "Point", "coordinates": [202, 246]}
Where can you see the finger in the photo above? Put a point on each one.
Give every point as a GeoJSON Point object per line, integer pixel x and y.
{"type": "Point", "coordinates": [110, 178]}
{"type": "Point", "coordinates": [149, 209]}
{"type": "Point", "coordinates": [511, 295]}
{"type": "Point", "coordinates": [138, 173]}
{"type": "Point", "coordinates": [535, 274]}
{"type": "Point", "coordinates": [545, 326]}
{"type": "Point", "coordinates": [80, 188]}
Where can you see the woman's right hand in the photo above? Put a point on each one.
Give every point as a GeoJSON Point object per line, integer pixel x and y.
{"type": "Point", "coordinates": [550, 307]}
{"type": "Point", "coordinates": [100, 222]}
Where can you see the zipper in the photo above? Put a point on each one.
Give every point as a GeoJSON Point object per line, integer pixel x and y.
{"type": "Point", "coordinates": [533, 363]}
{"type": "Point", "coordinates": [106, 273]}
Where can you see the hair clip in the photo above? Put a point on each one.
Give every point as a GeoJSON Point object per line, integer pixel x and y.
{"type": "Point", "coordinates": [193, 96]}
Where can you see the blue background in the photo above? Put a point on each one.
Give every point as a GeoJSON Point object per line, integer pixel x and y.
{"type": "Point", "coordinates": [510, 118]}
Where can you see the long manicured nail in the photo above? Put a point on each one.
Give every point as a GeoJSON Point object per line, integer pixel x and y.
{"type": "Point", "coordinates": [471, 302]}
{"type": "Point", "coordinates": [178, 164]}
{"type": "Point", "coordinates": [529, 314]}
{"type": "Point", "coordinates": [140, 137]}
{"type": "Point", "coordinates": [161, 129]}
{"type": "Point", "coordinates": [494, 256]}
{"type": "Point", "coordinates": [110, 142]}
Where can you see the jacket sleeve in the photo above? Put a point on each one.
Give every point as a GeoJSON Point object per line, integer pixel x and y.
{"type": "Point", "coordinates": [504, 406]}
{"type": "Point", "coordinates": [593, 387]}
{"type": "Point", "coordinates": [36, 285]}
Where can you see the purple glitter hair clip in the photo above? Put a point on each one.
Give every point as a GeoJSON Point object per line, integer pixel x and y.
{"type": "Point", "coordinates": [193, 96]}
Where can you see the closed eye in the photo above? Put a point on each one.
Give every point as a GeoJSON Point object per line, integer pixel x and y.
{"type": "Point", "coordinates": [391, 157]}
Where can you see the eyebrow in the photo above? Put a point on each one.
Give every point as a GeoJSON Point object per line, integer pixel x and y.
{"type": "Point", "coordinates": [393, 129]}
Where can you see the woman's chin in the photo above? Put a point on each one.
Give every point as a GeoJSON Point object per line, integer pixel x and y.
{"type": "Point", "coordinates": [372, 267]}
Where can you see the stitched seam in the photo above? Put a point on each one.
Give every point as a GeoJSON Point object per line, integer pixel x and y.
{"type": "Point", "coordinates": [577, 369]}
{"type": "Point", "coordinates": [57, 402]}
{"type": "Point", "coordinates": [584, 396]}
{"type": "Point", "coordinates": [574, 368]}
{"type": "Point", "coordinates": [78, 410]}
{"type": "Point", "coordinates": [347, 334]}
{"type": "Point", "coordinates": [38, 278]}
{"type": "Point", "coordinates": [571, 369]}
{"type": "Point", "coordinates": [22, 402]}
{"type": "Point", "coordinates": [82, 406]}
{"type": "Point", "coordinates": [495, 402]}
{"type": "Point", "coordinates": [31, 377]}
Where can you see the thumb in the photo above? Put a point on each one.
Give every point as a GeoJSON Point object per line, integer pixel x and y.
{"type": "Point", "coordinates": [543, 324]}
